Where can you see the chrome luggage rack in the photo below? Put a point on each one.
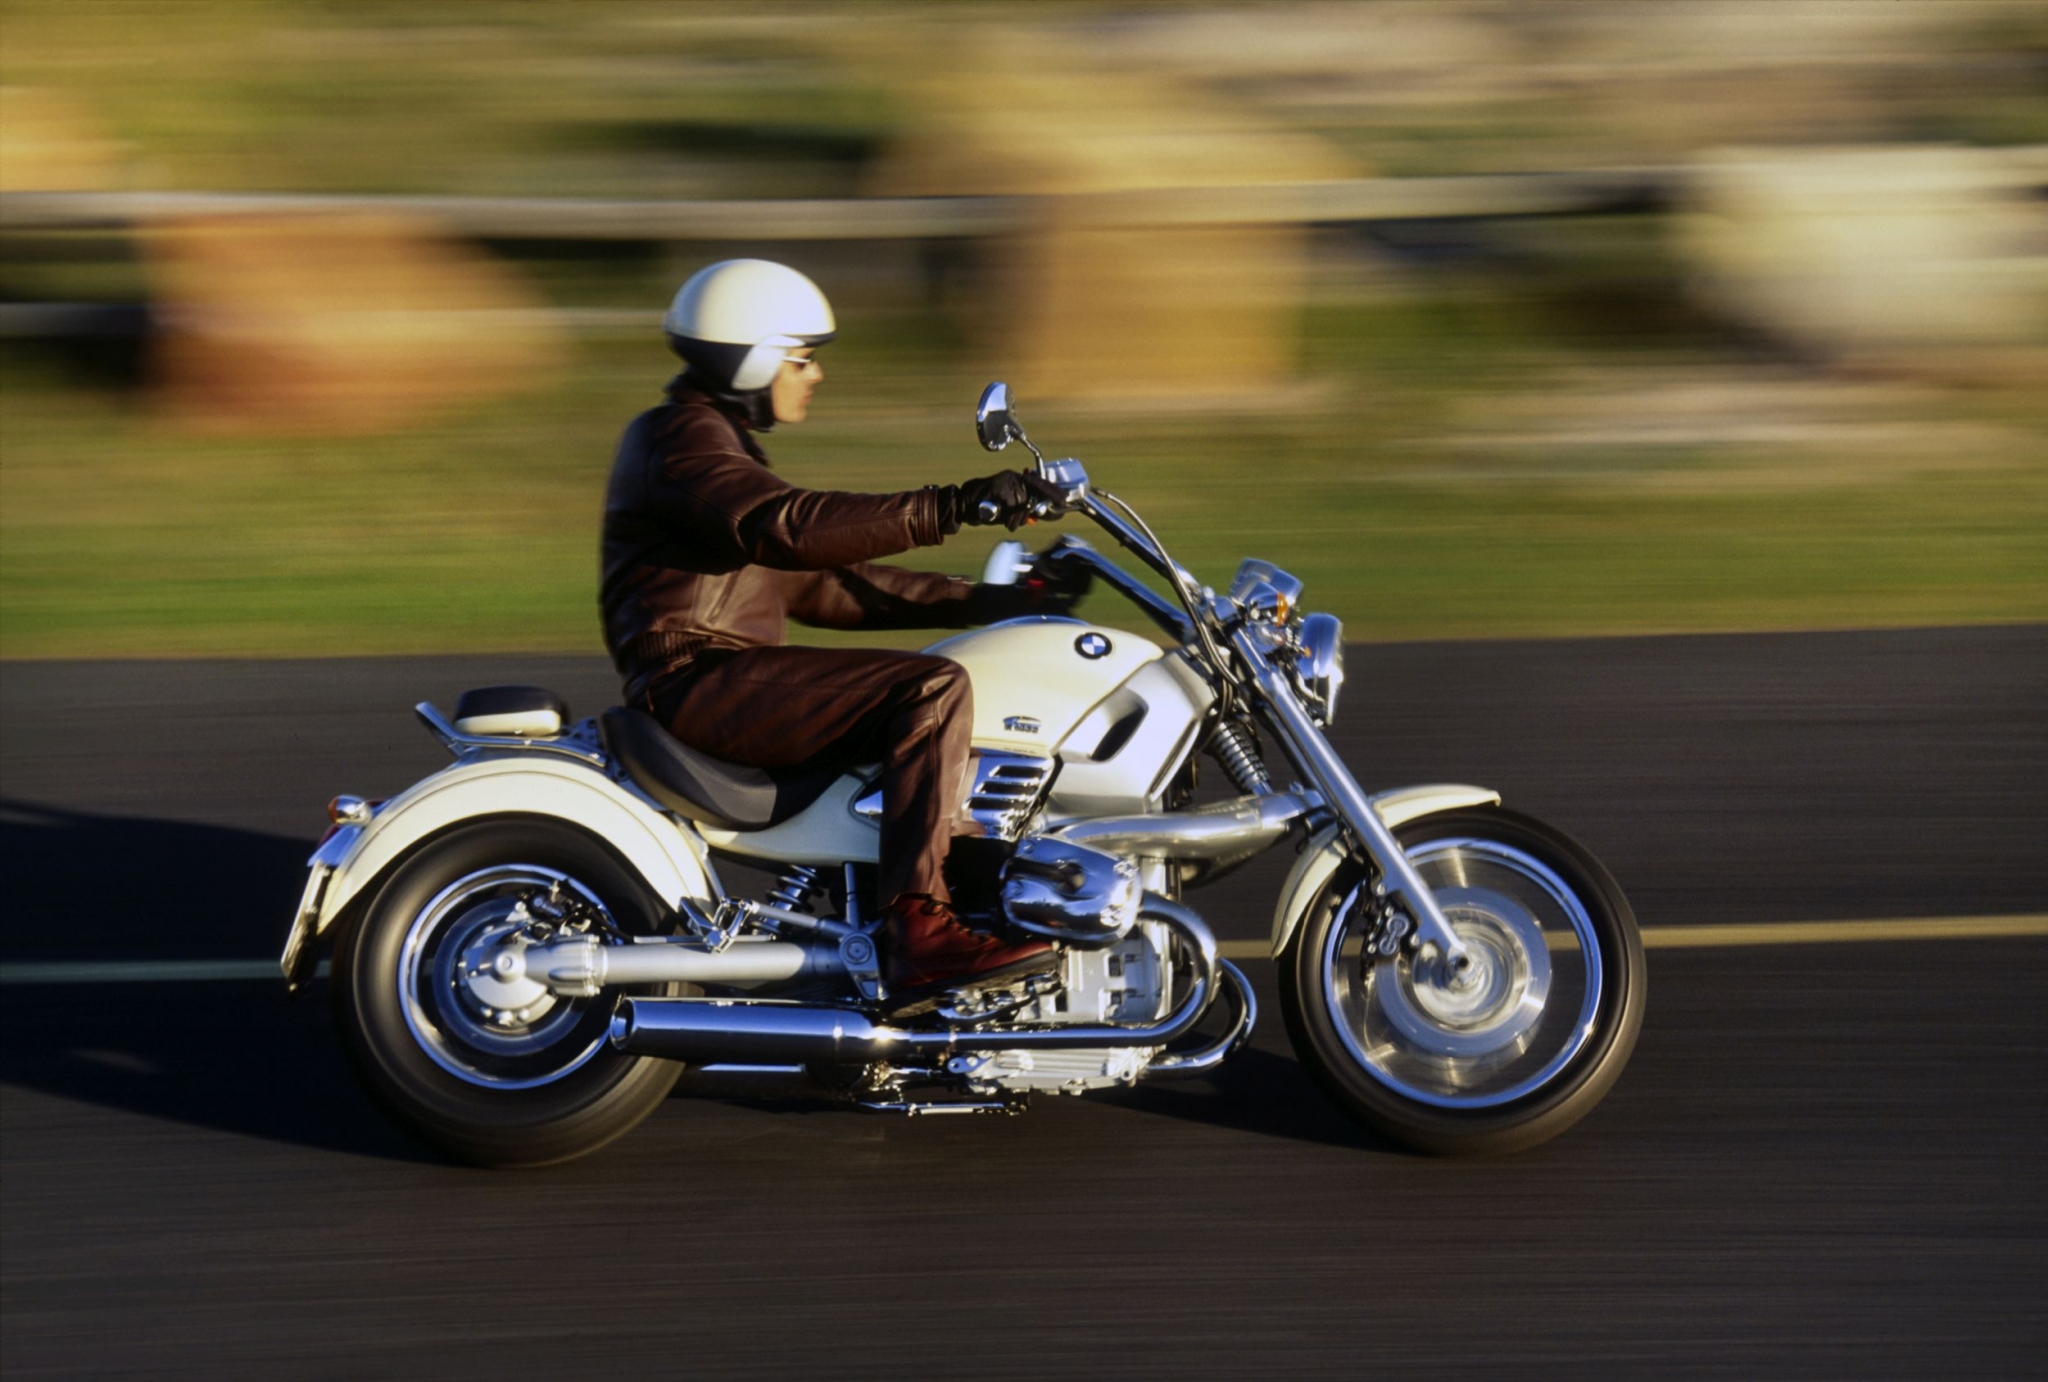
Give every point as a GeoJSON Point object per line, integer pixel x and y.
{"type": "Point", "coordinates": [577, 743]}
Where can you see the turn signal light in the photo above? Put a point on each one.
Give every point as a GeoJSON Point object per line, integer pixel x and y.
{"type": "Point", "coordinates": [349, 811]}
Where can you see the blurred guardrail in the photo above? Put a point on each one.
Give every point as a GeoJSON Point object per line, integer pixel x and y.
{"type": "Point", "coordinates": [1120, 281]}
{"type": "Point", "coordinates": [883, 218]}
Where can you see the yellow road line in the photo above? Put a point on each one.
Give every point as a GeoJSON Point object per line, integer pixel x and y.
{"type": "Point", "coordinates": [1837, 932]}
{"type": "Point", "coordinates": [1654, 938]}
{"type": "Point", "coordinates": [1782, 933]}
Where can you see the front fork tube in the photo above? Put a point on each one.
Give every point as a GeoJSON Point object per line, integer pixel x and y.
{"type": "Point", "coordinates": [1329, 775]}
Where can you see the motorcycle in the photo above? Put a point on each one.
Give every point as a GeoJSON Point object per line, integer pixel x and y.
{"type": "Point", "coordinates": [530, 944]}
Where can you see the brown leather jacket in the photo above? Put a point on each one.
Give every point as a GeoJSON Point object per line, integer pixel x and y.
{"type": "Point", "coordinates": [706, 547]}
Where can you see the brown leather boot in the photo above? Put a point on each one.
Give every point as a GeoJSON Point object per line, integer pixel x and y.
{"type": "Point", "coordinates": [929, 951]}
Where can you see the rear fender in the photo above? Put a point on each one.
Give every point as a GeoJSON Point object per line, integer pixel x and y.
{"type": "Point", "coordinates": [666, 854]}
{"type": "Point", "coordinates": [1327, 850]}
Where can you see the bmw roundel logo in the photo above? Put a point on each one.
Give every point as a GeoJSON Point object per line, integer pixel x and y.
{"type": "Point", "coordinates": [1092, 644]}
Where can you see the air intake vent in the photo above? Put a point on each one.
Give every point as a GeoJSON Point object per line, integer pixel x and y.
{"type": "Point", "coordinates": [1006, 790]}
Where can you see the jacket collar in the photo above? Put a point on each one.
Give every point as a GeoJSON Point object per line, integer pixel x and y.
{"type": "Point", "coordinates": [685, 396]}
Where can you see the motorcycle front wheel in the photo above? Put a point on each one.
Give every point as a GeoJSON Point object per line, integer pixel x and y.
{"type": "Point", "coordinates": [1506, 1054]}
{"type": "Point", "coordinates": [492, 1075]}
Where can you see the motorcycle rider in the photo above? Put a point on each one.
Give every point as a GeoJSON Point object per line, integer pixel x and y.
{"type": "Point", "coordinates": [707, 553]}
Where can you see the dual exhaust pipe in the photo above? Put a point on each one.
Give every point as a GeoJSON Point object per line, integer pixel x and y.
{"type": "Point", "coordinates": [729, 1031]}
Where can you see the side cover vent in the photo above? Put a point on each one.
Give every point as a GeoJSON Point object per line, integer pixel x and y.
{"type": "Point", "coordinates": [1006, 789]}
{"type": "Point", "coordinates": [1004, 792]}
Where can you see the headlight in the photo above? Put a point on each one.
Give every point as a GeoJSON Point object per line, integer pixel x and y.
{"type": "Point", "coordinates": [1320, 664]}
{"type": "Point", "coordinates": [1264, 593]}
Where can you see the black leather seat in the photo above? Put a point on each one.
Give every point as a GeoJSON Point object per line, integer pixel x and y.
{"type": "Point", "coordinates": [701, 787]}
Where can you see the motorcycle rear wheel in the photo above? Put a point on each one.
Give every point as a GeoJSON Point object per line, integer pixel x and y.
{"type": "Point", "coordinates": [1508, 1054]}
{"type": "Point", "coordinates": [482, 1085]}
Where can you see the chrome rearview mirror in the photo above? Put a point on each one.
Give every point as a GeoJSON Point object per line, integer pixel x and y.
{"type": "Point", "coordinates": [994, 423]}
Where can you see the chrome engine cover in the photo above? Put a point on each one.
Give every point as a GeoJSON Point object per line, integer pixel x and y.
{"type": "Point", "coordinates": [1071, 893]}
{"type": "Point", "coordinates": [1126, 982]}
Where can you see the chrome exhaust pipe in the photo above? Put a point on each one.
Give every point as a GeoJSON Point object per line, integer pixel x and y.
{"type": "Point", "coordinates": [1239, 990]}
{"type": "Point", "coordinates": [730, 1031]}
{"type": "Point", "coordinates": [727, 1031]}
{"type": "Point", "coordinates": [581, 966]}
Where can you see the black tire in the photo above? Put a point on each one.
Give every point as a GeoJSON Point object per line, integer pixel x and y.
{"type": "Point", "coordinates": [1519, 1122]}
{"type": "Point", "coordinates": [573, 1113]}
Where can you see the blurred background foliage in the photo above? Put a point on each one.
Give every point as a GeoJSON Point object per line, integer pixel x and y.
{"type": "Point", "coordinates": [1797, 383]}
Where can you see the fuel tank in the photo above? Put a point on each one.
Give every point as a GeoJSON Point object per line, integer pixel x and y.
{"type": "Point", "coordinates": [1035, 679]}
{"type": "Point", "coordinates": [1119, 714]}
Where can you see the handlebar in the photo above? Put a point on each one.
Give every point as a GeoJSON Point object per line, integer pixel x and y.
{"type": "Point", "coordinates": [1123, 524]}
{"type": "Point", "coordinates": [1075, 551]}
{"type": "Point", "coordinates": [988, 511]}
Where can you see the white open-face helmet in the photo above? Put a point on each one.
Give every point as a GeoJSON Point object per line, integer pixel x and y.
{"type": "Point", "coordinates": [736, 320]}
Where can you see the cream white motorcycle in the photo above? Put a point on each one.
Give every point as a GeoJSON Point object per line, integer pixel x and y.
{"type": "Point", "coordinates": [530, 944]}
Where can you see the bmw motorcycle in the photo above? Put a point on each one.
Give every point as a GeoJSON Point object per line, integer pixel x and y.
{"type": "Point", "coordinates": [531, 944]}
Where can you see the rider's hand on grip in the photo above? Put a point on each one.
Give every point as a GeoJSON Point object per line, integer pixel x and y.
{"type": "Point", "coordinates": [1056, 586]}
{"type": "Point", "coordinates": [1009, 497]}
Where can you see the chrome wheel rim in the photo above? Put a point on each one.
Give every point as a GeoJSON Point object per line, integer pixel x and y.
{"type": "Point", "coordinates": [477, 1029]}
{"type": "Point", "coordinates": [1507, 1026]}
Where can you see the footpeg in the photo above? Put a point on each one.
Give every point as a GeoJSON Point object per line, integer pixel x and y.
{"type": "Point", "coordinates": [917, 1108]}
{"type": "Point", "coordinates": [972, 1007]}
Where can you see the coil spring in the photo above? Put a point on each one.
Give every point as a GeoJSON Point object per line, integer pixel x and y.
{"type": "Point", "coordinates": [793, 887]}
{"type": "Point", "coordinates": [1236, 750]}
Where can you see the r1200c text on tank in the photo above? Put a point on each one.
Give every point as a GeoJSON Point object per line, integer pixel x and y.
{"type": "Point", "coordinates": [531, 943]}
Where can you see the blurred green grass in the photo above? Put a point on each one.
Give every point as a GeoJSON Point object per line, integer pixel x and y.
{"type": "Point", "coordinates": [1522, 429]}
{"type": "Point", "coordinates": [119, 537]}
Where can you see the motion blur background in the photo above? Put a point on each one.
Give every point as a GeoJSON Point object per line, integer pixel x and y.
{"type": "Point", "coordinates": [320, 319]}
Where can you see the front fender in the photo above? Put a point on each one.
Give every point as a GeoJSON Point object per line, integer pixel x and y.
{"type": "Point", "coordinates": [666, 855]}
{"type": "Point", "coordinates": [1326, 850]}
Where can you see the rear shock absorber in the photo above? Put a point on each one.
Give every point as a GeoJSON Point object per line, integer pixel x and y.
{"type": "Point", "coordinates": [793, 887]}
{"type": "Point", "coordinates": [1237, 750]}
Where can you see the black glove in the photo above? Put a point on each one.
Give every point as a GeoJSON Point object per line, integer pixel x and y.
{"type": "Point", "coordinates": [1057, 586]}
{"type": "Point", "coordinates": [1006, 497]}
{"type": "Point", "coordinates": [1053, 587]}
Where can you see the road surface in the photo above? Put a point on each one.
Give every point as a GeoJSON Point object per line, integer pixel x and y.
{"type": "Point", "coordinates": [1824, 1160]}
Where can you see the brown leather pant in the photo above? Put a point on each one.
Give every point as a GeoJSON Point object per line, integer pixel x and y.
{"type": "Point", "coordinates": [829, 707]}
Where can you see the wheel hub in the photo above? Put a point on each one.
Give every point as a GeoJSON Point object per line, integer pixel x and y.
{"type": "Point", "coordinates": [493, 976]}
{"type": "Point", "coordinates": [467, 998]}
{"type": "Point", "coordinates": [1488, 1007]}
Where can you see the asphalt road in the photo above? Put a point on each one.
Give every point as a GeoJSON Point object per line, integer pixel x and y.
{"type": "Point", "coordinates": [1823, 1160]}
